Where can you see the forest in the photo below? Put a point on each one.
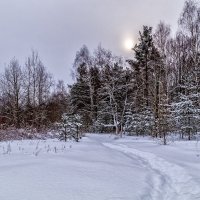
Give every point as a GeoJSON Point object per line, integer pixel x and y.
{"type": "Point", "coordinates": [155, 92]}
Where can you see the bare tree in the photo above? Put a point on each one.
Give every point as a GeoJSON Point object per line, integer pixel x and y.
{"type": "Point", "coordinates": [11, 86]}
{"type": "Point", "coordinates": [37, 87]}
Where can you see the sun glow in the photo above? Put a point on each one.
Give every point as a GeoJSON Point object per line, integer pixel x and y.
{"type": "Point", "coordinates": [128, 44]}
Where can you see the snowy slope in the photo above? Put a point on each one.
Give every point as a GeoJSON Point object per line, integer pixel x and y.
{"type": "Point", "coordinates": [100, 168]}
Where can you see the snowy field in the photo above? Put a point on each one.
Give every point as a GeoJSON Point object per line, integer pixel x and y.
{"type": "Point", "coordinates": [99, 167]}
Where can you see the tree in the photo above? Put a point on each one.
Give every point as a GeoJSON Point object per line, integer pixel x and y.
{"type": "Point", "coordinates": [11, 86]}
{"type": "Point", "coordinates": [113, 96]}
{"type": "Point", "coordinates": [147, 67]}
{"type": "Point", "coordinates": [161, 39]}
{"type": "Point", "coordinates": [80, 100]}
{"type": "Point", "coordinates": [69, 127]}
{"type": "Point", "coordinates": [186, 110]}
{"type": "Point", "coordinates": [143, 53]}
{"type": "Point", "coordinates": [37, 86]}
{"type": "Point", "coordinates": [58, 103]}
{"type": "Point", "coordinates": [95, 84]}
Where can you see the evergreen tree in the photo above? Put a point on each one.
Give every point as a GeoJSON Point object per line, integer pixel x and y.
{"type": "Point", "coordinates": [70, 127]}
{"type": "Point", "coordinates": [80, 101]}
{"type": "Point", "coordinates": [143, 55]}
{"type": "Point", "coordinates": [146, 68]}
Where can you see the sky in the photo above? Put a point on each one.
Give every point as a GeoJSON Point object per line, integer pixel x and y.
{"type": "Point", "coordinates": [57, 29]}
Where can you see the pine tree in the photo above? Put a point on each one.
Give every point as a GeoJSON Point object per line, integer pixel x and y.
{"type": "Point", "coordinates": [70, 127]}
{"type": "Point", "coordinates": [143, 55]}
{"type": "Point", "coordinates": [186, 110]}
{"type": "Point", "coordinates": [80, 102]}
{"type": "Point", "coordinates": [146, 69]}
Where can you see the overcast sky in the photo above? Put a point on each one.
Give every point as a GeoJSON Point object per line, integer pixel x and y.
{"type": "Point", "coordinates": [58, 28]}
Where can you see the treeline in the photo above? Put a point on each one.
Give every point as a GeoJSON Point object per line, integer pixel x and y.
{"type": "Point", "coordinates": [155, 92]}
{"type": "Point", "coordinates": [29, 97]}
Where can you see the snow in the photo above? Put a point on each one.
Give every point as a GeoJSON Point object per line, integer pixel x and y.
{"type": "Point", "coordinates": [100, 167]}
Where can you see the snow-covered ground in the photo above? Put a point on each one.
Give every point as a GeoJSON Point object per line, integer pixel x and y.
{"type": "Point", "coordinates": [99, 167]}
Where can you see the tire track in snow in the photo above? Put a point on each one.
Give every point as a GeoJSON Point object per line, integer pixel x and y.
{"type": "Point", "coordinates": [178, 185]}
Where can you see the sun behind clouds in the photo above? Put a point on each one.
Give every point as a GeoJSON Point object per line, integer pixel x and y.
{"type": "Point", "coordinates": [128, 44]}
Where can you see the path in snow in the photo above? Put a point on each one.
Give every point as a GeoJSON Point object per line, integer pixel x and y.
{"type": "Point", "coordinates": [170, 181]}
